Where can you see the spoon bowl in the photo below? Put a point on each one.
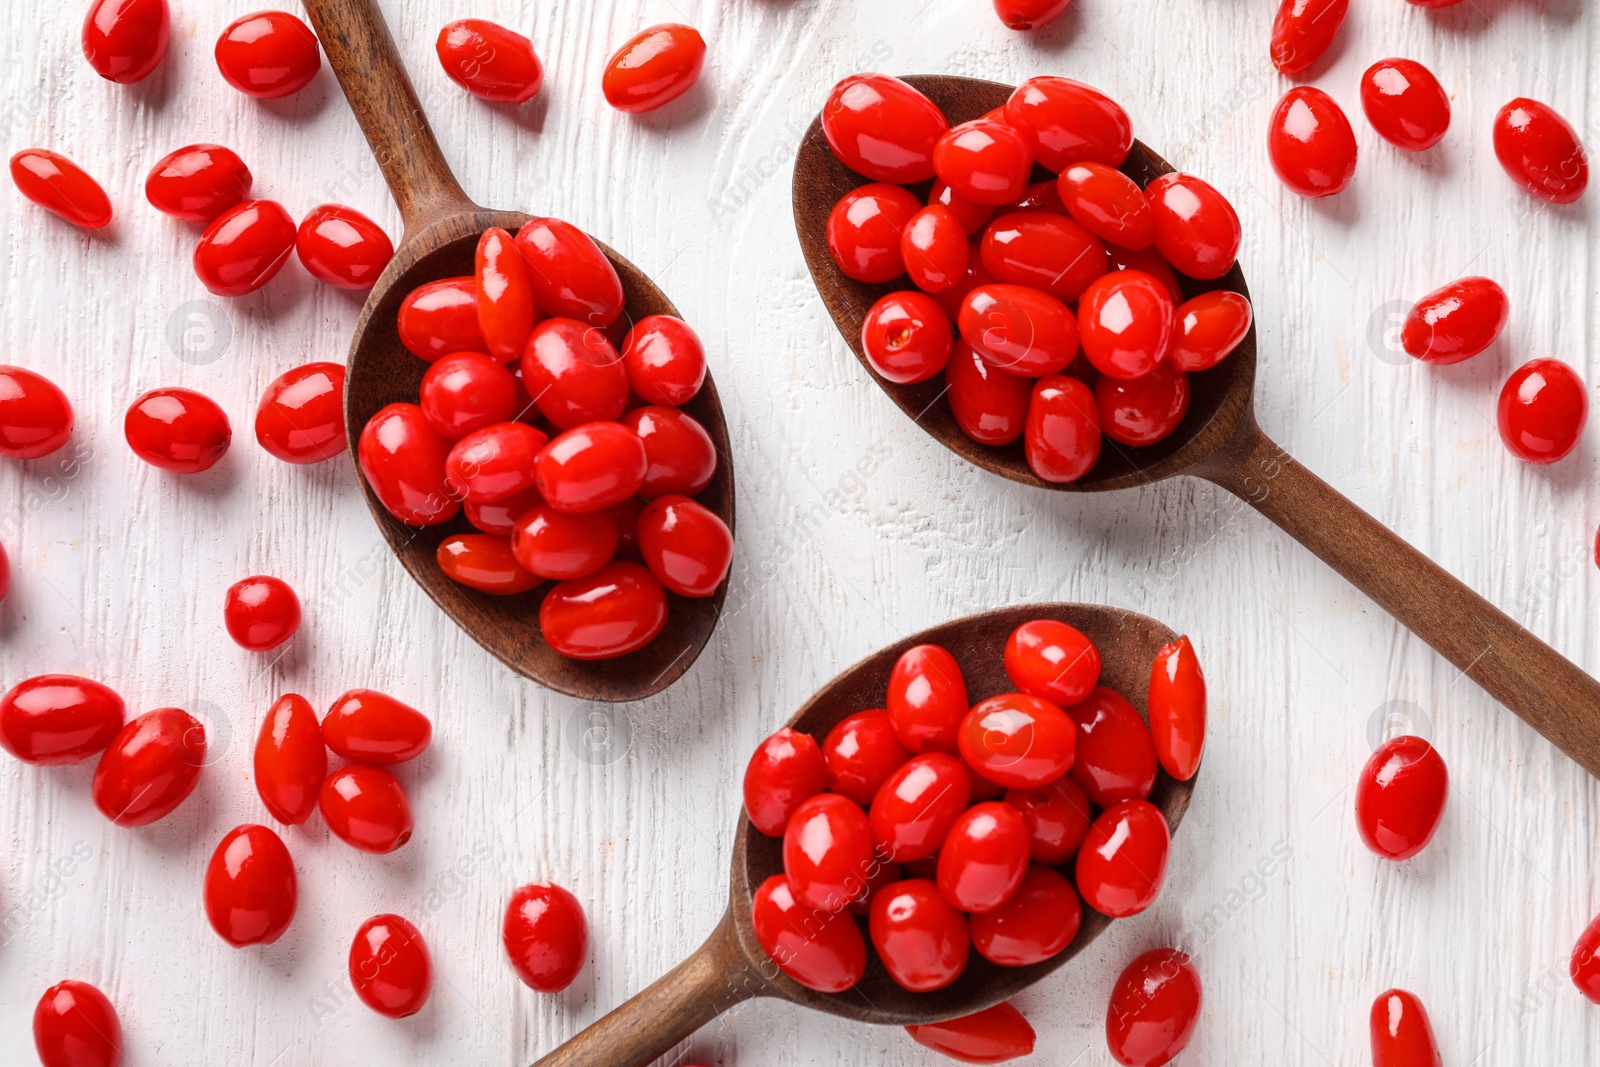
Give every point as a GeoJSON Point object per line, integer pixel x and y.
{"type": "Point", "coordinates": [1220, 396]}
{"type": "Point", "coordinates": [442, 227]}
{"type": "Point", "coordinates": [731, 966]}
{"type": "Point", "coordinates": [1220, 441]}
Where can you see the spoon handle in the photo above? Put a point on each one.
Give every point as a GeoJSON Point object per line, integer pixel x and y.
{"type": "Point", "coordinates": [683, 1000]}
{"type": "Point", "coordinates": [363, 56]}
{"type": "Point", "coordinates": [1546, 689]}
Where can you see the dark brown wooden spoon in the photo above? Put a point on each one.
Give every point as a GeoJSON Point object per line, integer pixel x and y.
{"type": "Point", "coordinates": [442, 227]}
{"type": "Point", "coordinates": [731, 966]}
{"type": "Point", "coordinates": [1220, 442]}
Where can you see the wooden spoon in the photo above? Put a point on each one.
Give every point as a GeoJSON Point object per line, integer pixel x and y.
{"type": "Point", "coordinates": [731, 966]}
{"type": "Point", "coordinates": [1220, 442]}
{"type": "Point", "coordinates": [442, 227]}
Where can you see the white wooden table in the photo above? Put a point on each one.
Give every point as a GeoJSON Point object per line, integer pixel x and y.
{"type": "Point", "coordinates": [854, 529]}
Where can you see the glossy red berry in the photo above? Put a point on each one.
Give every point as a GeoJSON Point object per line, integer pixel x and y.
{"type": "Point", "coordinates": [906, 337]}
{"type": "Point", "coordinates": [1017, 740]}
{"type": "Point", "coordinates": [466, 392]}
{"type": "Point", "coordinates": [985, 161]}
{"type": "Point", "coordinates": [1043, 250]}
{"type": "Point", "coordinates": [495, 462]}
{"type": "Point", "coordinates": [1057, 816]}
{"type": "Point", "coordinates": [505, 295]}
{"type": "Point", "coordinates": [591, 467]}
{"type": "Point", "coordinates": [664, 360]}
{"type": "Point", "coordinates": [865, 228]}
{"type": "Point", "coordinates": [403, 461]}
{"type": "Point", "coordinates": [821, 951]}
{"type": "Point", "coordinates": [1122, 863]}
{"type": "Point", "coordinates": [150, 768]}
{"type": "Point", "coordinates": [994, 1034]}
{"type": "Point", "coordinates": [921, 940]}
{"type": "Point", "coordinates": [934, 247]}
{"type": "Point", "coordinates": [572, 278]}
{"type": "Point", "coordinates": [1402, 1036]}
{"type": "Point", "coordinates": [269, 54]}
{"type": "Point", "coordinates": [786, 770]}
{"type": "Point", "coordinates": [860, 754]}
{"type": "Point", "coordinates": [340, 246]}
{"type": "Point", "coordinates": [61, 187]}
{"type": "Point", "coordinates": [827, 851]}
{"type": "Point", "coordinates": [250, 889]}
{"type": "Point", "coordinates": [1108, 204]}
{"type": "Point", "coordinates": [927, 699]}
{"type": "Point", "coordinates": [500, 516]}
{"type": "Point", "coordinates": [1208, 328]}
{"type": "Point", "coordinates": [553, 544]}
{"type": "Point", "coordinates": [1053, 661]}
{"type": "Point", "coordinates": [54, 719]}
{"type": "Point", "coordinates": [1197, 230]}
{"type": "Point", "coordinates": [972, 215]}
{"type": "Point", "coordinates": [198, 182]}
{"type": "Point", "coordinates": [1303, 30]}
{"type": "Point", "coordinates": [655, 67]}
{"type": "Point", "coordinates": [680, 457]}
{"type": "Point", "coordinates": [301, 416]}
{"type": "Point", "coordinates": [1146, 410]}
{"type": "Point", "coordinates": [1543, 408]}
{"type": "Point", "coordinates": [441, 318]}
{"type": "Point", "coordinates": [1062, 436]}
{"type": "Point", "coordinates": [484, 562]}
{"type": "Point", "coordinates": [74, 1025]}
{"type": "Point", "coordinates": [1400, 797]}
{"type": "Point", "coordinates": [1177, 708]}
{"type": "Point", "coordinates": [178, 430]}
{"type": "Point", "coordinates": [291, 760]}
{"type": "Point", "coordinates": [990, 406]}
{"type": "Point", "coordinates": [546, 936]}
{"type": "Point", "coordinates": [35, 415]}
{"type": "Point", "coordinates": [1029, 15]}
{"type": "Point", "coordinates": [261, 612]}
{"type": "Point", "coordinates": [245, 247]}
{"type": "Point", "coordinates": [1405, 103]}
{"type": "Point", "coordinates": [366, 808]}
{"type": "Point", "coordinates": [917, 805]}
{"type": "Point", "coordinates": [983, 857]}
{"type": "Point", "coordinates": [1154, 1009]}
{"type": "Point", "coordinates": [1126, 322]}
{"type": "Point", "coordinates": [125, 40]}
{"type": "Point", "coordinates": [1036, 922]}
{"type": "Point", "coordinates": [1019, 330]}
{"type": "Point", "coordinates": [1541, 151]}
{"type": "Point", "coordinates": [1116, 757]}
{"type": "Point", "coordinates": [618, 609]}
{"type": "Point", "coordinates": [1457, 322]}
{"type": "Point", "coordinates": [366, 726]}
{"type": "Point", "coordinates": [1067, 122]}
{"type": "Point", "coordinates": [883, 128]}
{"type": "Point", "coordinates": [685, 545]}
{"type": "Point", "coordinates": [1585, 965]}
{"type": "Point", "coordinates": [490, 61]}
{"type": "Point", "coordinates": [1149, 261]}
{"type": "Point", "coordinates": [1311, 144]}
{"type": "Point", "coordinates": [390, 968]}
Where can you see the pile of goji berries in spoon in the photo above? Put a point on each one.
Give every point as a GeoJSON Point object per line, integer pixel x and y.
{"type": "Point", "coordinates": [1051, 307]}
{"type": "Point", "coordinates": [952, 827]}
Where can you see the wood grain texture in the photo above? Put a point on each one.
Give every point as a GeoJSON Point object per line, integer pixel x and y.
{"type": "Point", "coordinates": [855, 530]}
